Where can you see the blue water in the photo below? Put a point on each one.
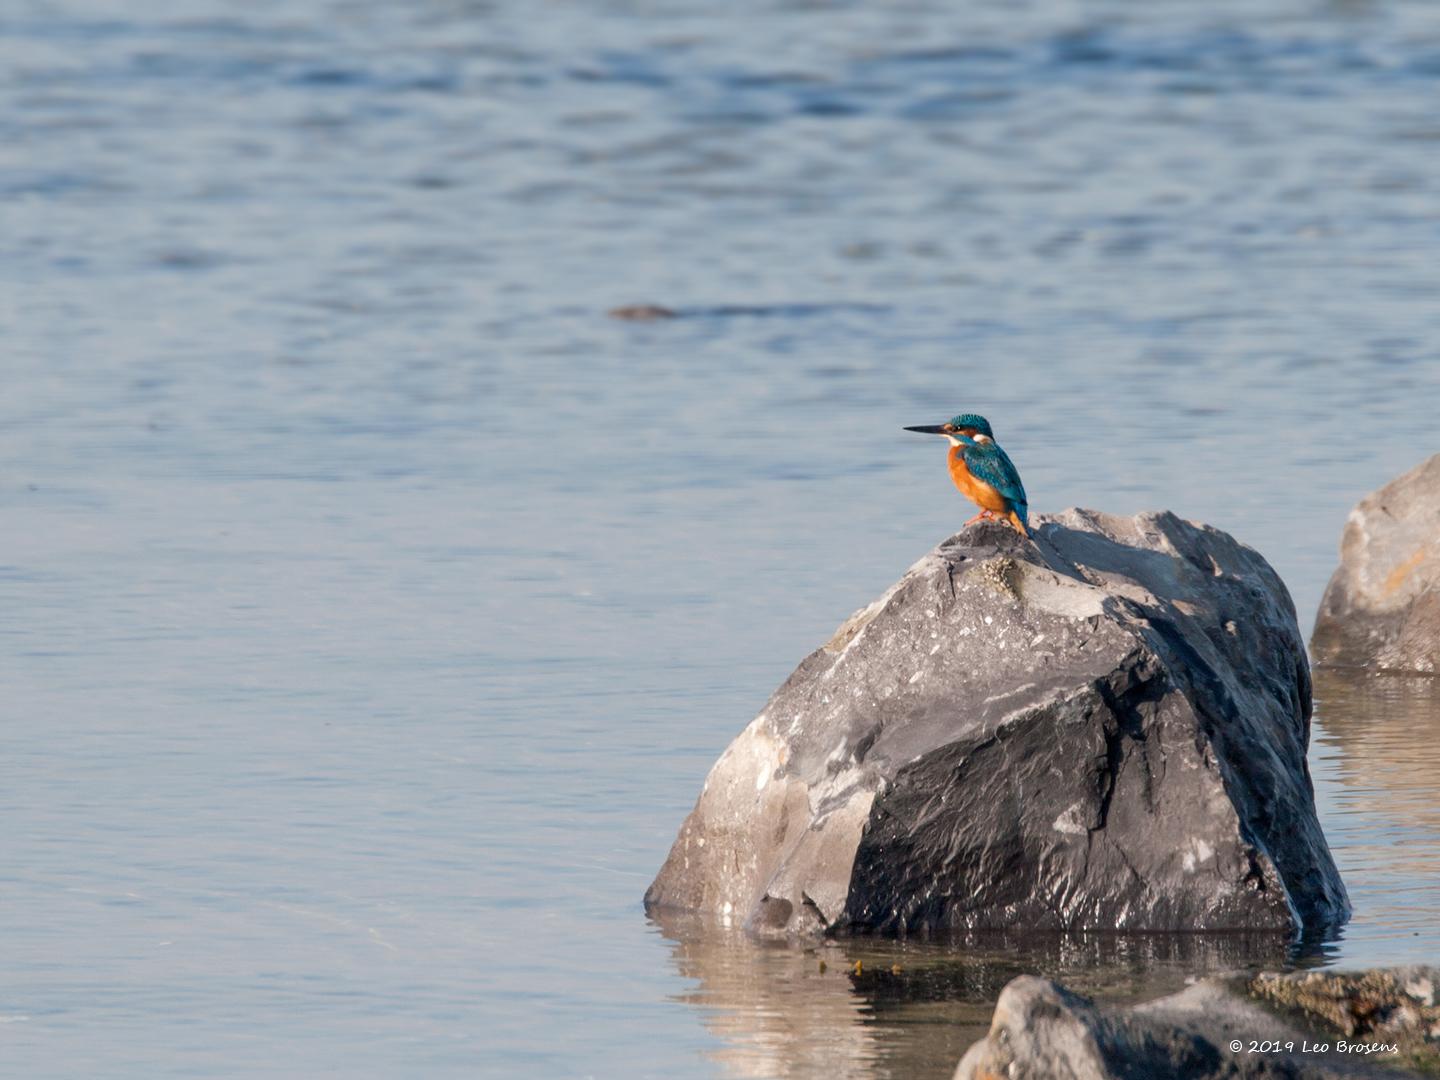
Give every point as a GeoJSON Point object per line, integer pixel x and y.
{"type": "Point", "coordinates": [373, 605]}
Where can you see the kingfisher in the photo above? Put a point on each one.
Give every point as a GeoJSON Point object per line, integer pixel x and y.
{"type": "Point", "coordinates": [982, 471]}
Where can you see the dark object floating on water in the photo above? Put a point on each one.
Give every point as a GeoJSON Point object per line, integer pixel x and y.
{"type": "Point", "coordinates": [652, 312]}
{"type": "Point", "coordinates": [1382, 606]}
{"type": "Point", "coordinates": [1101, 730]}
{"type": "Point", "coordinates": [643, 312]}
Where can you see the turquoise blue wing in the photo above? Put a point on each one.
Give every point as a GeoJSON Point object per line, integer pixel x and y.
{"type": "Point", "coordinates": [992, 465]}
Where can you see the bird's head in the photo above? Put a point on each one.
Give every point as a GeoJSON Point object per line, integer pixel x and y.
{"type": "Point", "coordinates": [966, 427]}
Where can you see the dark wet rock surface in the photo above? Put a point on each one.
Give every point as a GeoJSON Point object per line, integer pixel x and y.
{"type": "Point", "coordinates": [1382, 606]}
{"type": "Point", "coordinates": [1104, 730]}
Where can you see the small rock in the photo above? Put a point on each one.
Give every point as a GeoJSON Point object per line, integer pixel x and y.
{"type": "Point", "coordinates": [1382, 606]}
{"type": "Point", "coordinates": [1041, 1031]}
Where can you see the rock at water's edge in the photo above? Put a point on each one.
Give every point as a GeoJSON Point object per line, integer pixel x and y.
{"type": "Point", "coordinates": [1041, 1031]}
{"type": "Point", "coordinates": [1382, 606]}
{"type": "Point", "coordinates": [1102, 730]}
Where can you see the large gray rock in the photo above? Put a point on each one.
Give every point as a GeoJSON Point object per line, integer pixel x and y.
{"type": "Point", "coordinates": [1041, 1031]}
{"type": "Point", "coordinates": [1382, 606]}
{"type": "Point", "coordinates": [1105, 729]}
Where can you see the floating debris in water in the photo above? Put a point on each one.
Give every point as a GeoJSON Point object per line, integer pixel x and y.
{"type": "Point", "coordinates": [654, 312]}
{"type": "Point", "coordinates": [643, 312]}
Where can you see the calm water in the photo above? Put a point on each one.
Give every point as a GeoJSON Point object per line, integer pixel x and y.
{"type": "Point", "coordinates": [373, 606]}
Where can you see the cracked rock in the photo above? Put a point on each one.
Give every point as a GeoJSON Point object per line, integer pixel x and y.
{"type": "Point", "coordinates": [1105, 729]}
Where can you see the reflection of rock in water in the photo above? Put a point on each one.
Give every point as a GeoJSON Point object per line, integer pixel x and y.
{"type": "Point", "coordinates": [1377, 784]}
{"type": "Point", "coordinates": [777, 1012]}
{"type": "Point", "coordinates": [912, 1008]}
{"type": "Point", "coordinates": [1387, 729]}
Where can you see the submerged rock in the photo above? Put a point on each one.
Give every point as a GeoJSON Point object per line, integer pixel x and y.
{"type": "Point", "coordinates": [1382, 606]}
{"type": "Point", "coordinates": [1105, 729]}
{"type": "Point", "coordinates": [1041, 1031]}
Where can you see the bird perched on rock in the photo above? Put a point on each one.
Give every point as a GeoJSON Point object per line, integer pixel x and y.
{"type": "Point", "coordinates": [982, 471]}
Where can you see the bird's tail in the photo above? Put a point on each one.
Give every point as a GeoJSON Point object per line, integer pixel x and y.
{"type": "Point", "coordinates": [1020, 517]}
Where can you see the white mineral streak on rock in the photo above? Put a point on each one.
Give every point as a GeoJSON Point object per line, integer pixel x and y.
{"type": "Point", "coordinates": [1071, 821]}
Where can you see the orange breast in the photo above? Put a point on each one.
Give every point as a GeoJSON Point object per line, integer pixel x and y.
{"type": "Point", "coordinates": [974, 489]}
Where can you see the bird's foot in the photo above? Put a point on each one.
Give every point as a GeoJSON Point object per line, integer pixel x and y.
{"type": "Point", "coordinates": [983, 515]}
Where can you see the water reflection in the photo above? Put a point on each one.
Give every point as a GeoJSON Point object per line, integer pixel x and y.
{"type": "Point", "coordinates": [1375, 756]}
{"type": "Point", "coordinates": [911, 1008]}
{"type": "Point", "coordinates": [780, 1011]}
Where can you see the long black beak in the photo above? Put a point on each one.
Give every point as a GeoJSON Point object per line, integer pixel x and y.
{"type": "Point", "coordinates": [929, 429]}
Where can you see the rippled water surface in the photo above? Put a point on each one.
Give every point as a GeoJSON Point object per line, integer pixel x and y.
{"type": "Point", "coordinates": [373, 605]}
